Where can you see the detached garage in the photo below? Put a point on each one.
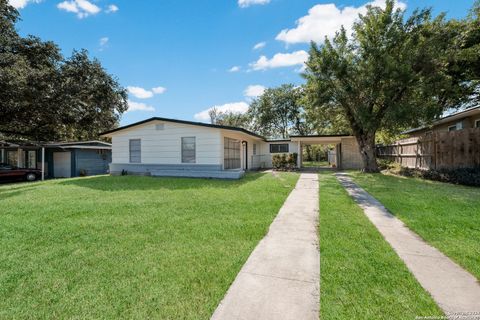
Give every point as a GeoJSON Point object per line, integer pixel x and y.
{"type": "Point", "coordinates": [61, 159]}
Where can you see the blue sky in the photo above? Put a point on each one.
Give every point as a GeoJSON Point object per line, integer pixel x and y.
{"type": "Point", "coordinates": [180, 58]}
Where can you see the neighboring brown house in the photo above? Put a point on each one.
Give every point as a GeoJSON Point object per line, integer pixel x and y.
{"type": "Point", "coordinates": [469, 118]}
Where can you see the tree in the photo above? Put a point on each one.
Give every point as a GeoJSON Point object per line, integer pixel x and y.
{"type": "Point", "coordinates": [234, 119]}
{"type": "Point", "coordinates": [44, 96]}
{"type": "Point", "coordinates": [229, 118]}
{"type": "Point", "coordinates": [390, 74]}
{"type": "Point", "coordinates": [464, 61]}
{"type": "Point", "coordinates": [279, 112]}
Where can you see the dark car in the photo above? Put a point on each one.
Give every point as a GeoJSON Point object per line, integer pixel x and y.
{"type": "Point", "coordinates": [9, 172]}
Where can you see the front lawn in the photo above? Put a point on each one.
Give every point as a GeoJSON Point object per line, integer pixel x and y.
{"type": "Point", "coordinates": [314, 164]}
{"type": "Point", "coordinates": [129, 247]}
{"type": "Point", "coordinates": [447, 216]}
{"type": "Point", "coordinates": [361, 276]}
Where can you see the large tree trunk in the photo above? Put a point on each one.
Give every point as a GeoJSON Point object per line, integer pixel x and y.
{"type": "Point", "coordinates": [366, 142]}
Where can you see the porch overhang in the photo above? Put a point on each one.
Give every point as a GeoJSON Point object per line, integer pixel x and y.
{"type": "Point", "coordinates": [319, 139]}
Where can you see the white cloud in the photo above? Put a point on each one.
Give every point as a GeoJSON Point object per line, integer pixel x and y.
{"type": "Point", "coordinates": [254, 91]}
{"type": "Point", "coordinates": [159, 90]}
{"type": "Point", "coordinates": [141, 93]}
{"type": "Point", "coordinates": [248, 3]}
{"type": "Point", "coordinates": [111, 9]}
{"type": "Point", "coordinates": [20, 4]}
{"type": "Point", "coordinates": [139, 106]}
{"type": "Point", "coordinates": [83, 8]}
{"type": "Point", "coordinates": [103, 41]}
{"type": "Point", "coordinates": [323, 20]}
{"type": "Point", "coordinates": [68, 6]}
{"type": "Point", "coordinates": [234, 69]}
{"type": "Point", "coordinates": [259, 45]}
{"type": "Point", "coordinates": [280, 60]}
{"type": "Point", "coordinates": [237, 107]}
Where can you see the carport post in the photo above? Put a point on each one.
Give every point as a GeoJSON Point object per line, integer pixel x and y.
{"type": "Point", "coordinates": [299, 156]}
{"type": "Point", "coordinates": [43, 163]}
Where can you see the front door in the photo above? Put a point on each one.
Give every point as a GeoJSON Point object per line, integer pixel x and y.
{"type": "Point", "coordinates": [62, 165]}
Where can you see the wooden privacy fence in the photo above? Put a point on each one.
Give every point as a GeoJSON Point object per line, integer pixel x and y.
{"type": "Point", "coordinates": [437, 150]}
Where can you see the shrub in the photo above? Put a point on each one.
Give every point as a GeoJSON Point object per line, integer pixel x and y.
{"type": "Point", "coordinates": [464, 176]}
{"type": "Point", "coordinates": [284, 161]}
{"type": "Point", "coordinates": [292, 160]}
{"type": "Point", "coordinates": [384, 164]}
{"type": "Point", "coordinates": [83, 173]}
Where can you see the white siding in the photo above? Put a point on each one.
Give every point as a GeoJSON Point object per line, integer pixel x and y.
{"type": "Point", "coordinates": [243, 137]}
{"type": "Point", "coordinates": [164, 146]}
{"type": "Point", "coordinates": [267, 156]}
{"type": "Point", "coordinates": [351, 157]}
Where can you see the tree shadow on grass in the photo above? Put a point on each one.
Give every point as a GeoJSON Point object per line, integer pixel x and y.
{"type": "Point", "coordinates": [124, 183]}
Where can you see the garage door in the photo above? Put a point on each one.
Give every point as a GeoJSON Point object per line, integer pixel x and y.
{"type": "Point", "coordinates": [62, 167]}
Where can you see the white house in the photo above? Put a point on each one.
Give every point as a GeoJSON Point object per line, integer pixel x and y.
{"type": "Point", "coordinates": [170, 147]}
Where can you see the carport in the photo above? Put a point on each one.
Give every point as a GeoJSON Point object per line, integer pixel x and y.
{"type": "Point", "coordinates": [58, 159]}
{"type": "Point", "coordinates": [347, 154]}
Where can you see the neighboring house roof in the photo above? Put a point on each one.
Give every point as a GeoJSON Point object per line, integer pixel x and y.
{"type": "Point", "coordinates": [93, 144]}
{"type": "Point", "coordinates": [451, 117]}
{"type": "Point", "coordinates": [89, 142]}
{"type": "Point", "coordinates": [201, 124]}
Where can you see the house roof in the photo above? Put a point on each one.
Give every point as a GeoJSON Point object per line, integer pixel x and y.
{"type": "Point", "coordinates": [451, 117]}
{"type": "Point", "coordinates": [201, 124]}
{"type": "Point", "coordinates": [193, 123]}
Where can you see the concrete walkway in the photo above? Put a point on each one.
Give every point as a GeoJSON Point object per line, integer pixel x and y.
{"type": "Point", "coordinates": [453, 289]}
{"type": "Point", "coordinates": [280, 279]}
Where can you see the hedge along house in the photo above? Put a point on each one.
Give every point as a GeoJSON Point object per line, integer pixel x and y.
{"type": "Point", "coordinates": [170, 147]}
{"type": "Point", "coordinates": [59, 159]}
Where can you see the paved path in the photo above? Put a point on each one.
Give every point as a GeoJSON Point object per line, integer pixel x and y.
{"type": "Point", "coordinates": [280, 279]}
{"type": "Point", "coordinates": [454, 289]}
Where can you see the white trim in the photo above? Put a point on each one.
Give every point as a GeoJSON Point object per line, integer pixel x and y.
{"type": "Point", "coordinates": [85, 147]}
{"type": "Point", "coordinates": [320, 140]}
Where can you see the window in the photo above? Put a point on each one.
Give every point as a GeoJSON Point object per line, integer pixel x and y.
{"type": "Point", "coordinates": [32, 159]}
{"type": "Point", "coordinates": [12, 158]}
{"type": "Point", "coordinates": [477, 123]}
{"type": "Point", "coordinates": [279, 148]}
{"type": "Point", "coordinates": [188, 150]}
{"type": "Point", "coordinates": [135, 149]}
{"type": "Point", "coordinates": [452, 128]}
{"type": "Point", "coordinates": [231, 154]}
{"type": "Point", "coordinates": [254, 149]}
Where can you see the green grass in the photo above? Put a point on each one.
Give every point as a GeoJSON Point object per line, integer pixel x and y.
{"type": "Point", "coordinates": [310, 164]}
{"type": "Point", "coordinates": [445, 215]}
{"type": "Point", "coordinates": [361, 275]}
{"type": "Point", "coordinates": [129, 247]}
